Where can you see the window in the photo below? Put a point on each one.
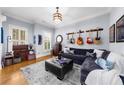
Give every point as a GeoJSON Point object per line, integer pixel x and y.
{"type": "Point", "coordinates": [19, 35]}
{"type": "Point", "coordinates": [47, 42]}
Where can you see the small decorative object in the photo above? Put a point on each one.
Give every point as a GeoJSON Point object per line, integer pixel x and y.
{"type": "Point", "coordinates": [120, 30]}
{"type": "Point", "coordinates": [112, 33]}
{"type": "Point", "coordinates": [59, 39]}
{"type": "Point", "coordinates": [31, 49]}
{"type": "Point", "coordinates": [39, 39]}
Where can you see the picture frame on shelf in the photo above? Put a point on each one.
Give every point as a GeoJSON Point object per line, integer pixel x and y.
{"type": "Point", "coordinates": [112, 34]}
{"type": "Point", "coordinates": [120, 30]}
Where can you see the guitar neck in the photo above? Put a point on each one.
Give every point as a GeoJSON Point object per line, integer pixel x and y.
{"type": "Point", "coordinates": [97, 34]}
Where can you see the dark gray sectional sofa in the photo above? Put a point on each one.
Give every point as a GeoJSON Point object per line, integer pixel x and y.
{"type": "Point", "coordinates": [78, 56]}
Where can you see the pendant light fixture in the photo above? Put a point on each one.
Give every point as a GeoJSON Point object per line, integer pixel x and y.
{"type": "Point", "coordinates": [57, 17]}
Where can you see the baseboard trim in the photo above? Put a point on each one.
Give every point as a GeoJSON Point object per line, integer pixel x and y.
{"type": "Point", "coordinates": [43, 58]}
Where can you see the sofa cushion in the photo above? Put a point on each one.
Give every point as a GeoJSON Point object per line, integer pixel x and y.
{"type": "Point", "coordinates": [78, 59]}
{"type": "Point", "coordinates": [98, 53]}
{"type": "Point", "coordinates": [81, 51]}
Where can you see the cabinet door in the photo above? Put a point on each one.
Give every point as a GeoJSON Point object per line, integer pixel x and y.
{"type": "Point", "coordinates": [15, 36]}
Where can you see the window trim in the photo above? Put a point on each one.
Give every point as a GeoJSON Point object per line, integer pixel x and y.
{"type": "Point", "coordinates": [47, 35]}
{"type": "Point", "coordinates": [20, 28]}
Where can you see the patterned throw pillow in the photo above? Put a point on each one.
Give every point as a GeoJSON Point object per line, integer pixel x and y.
{"type": "Point", "coordinates": [106, 65]}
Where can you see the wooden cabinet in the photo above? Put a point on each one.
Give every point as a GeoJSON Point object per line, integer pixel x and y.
{"type": "Point", "coordinates": [21, 51]}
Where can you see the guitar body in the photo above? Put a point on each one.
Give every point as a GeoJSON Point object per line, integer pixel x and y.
{"type": "Point", "coordinates": [97, 40]}
{"type": "Point", "coordinates": [89, 40]}
{"type": "Point", "coordinates": [72, 41]}
{"type": "Point", "coordinates": [79, 40]}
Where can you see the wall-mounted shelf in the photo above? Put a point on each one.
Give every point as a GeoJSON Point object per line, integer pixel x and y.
{"type": "Point", "coordinates": [75, 32]}
{"type": "Point", "coordinates": [80, 31]}
{"type": "Point", "coordinates": [94, 30]}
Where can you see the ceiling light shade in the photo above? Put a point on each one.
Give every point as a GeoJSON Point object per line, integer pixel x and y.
{"type": "Point", "coordinates": [57, 17]}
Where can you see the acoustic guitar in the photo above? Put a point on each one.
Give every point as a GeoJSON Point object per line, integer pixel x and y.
{"type": "Point", "coordinates": [97, 39]}
{"type": "Point", "coordinates": [72, 40]}
{"type": "Point", "coordinates": [79, 39]}
{"type": "Point", "coordinates": [89, 39]}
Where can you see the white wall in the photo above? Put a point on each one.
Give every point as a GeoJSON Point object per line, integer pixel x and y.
{"type": "Point", "coordinates": [100, 21]}
{"type": "Point", "coordinates": [33, 29]}
{"type": "Point", "coordinates": [115, 14]}
{"type": "Point", "coordinates": [44, 31]}
{"type": "Point", "coordinates": [15, 22]}
{"type": "Point", "coordinates": [2, 18]}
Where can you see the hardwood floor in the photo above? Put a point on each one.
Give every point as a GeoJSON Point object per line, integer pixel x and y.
{"type": "Point", "coordinates": [12, 75]}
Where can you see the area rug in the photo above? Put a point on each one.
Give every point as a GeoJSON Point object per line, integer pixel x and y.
{"type": "Point", "coordinates": [35, 74]}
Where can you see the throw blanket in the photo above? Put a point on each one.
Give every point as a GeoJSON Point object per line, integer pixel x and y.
{"type": "Point", "coordinates": [103, 77]}
{"type": "Point", "coordinates": [88, 66]}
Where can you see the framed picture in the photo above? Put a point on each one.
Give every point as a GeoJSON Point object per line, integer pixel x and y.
{"type": "Point", "coordinates": [120, 30]}
{"type": "Point", "coordinates": [39, 39]}
{"type": "Point", "coordinates": [1, 35]}
{"type": "Point", "coordinates": [34, 39]}
{"type": "Point", "coordinates": [112, 34]}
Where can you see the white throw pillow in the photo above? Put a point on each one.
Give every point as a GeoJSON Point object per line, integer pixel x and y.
{"type": "Point", "coordinates": [98, 53]}
{"type": "Point", "coordinates": [66, 49]}
{"type": "Point", "coordinates": [118, 60]}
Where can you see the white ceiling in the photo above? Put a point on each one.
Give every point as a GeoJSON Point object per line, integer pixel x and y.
{"type": "Point", "coordinates": [43, 15]}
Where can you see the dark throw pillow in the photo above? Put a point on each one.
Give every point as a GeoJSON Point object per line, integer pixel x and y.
{"type": "Point", "coordinates": [105, 54]}
{"type": "Point", "coordinates": [122, 78]}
